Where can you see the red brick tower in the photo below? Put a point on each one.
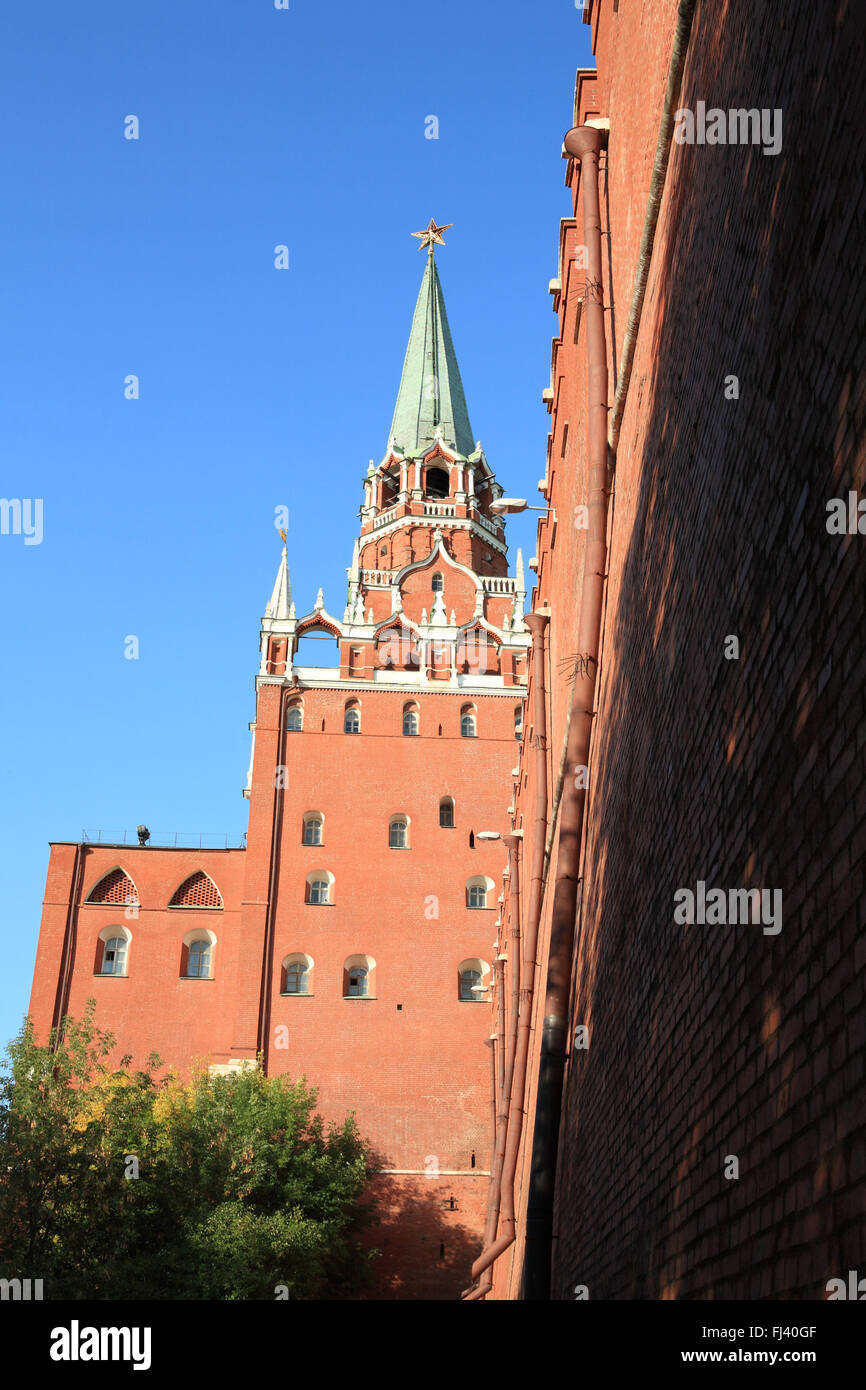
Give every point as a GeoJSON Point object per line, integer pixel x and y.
{"type": "Point", "coordinates": [353, 940]}
{"type": "Point", "coordinates": [381, 926]}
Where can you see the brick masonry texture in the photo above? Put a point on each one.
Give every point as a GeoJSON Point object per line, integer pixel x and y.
{"type": "Point", "coordinates": [707, 1041]}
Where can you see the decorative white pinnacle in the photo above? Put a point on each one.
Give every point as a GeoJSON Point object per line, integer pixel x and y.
{"type": "Point", "coordinates": [423, 617]}
{"type": "Point", "coordinates": [281, 597]}
{"type": "Point", "coordinates": [438, 616]}
{"type": "Point", "coordinates": [453, 619]}
{"type": "Point", "coordinates": [320, 602]}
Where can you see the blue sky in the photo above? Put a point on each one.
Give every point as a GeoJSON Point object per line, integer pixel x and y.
{"type": "Point", "coordinates": [258, 387]}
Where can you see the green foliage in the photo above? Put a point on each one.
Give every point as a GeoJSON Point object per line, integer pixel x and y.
{"type": "Point", "coordinates": [240, 1188]}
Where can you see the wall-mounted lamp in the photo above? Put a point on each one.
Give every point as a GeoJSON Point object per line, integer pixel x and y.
{"type": "Point", "coordinates": [518, 504]}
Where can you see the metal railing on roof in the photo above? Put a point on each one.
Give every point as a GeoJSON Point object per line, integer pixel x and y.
{"type": "Point", "coordinates": [177, 839]}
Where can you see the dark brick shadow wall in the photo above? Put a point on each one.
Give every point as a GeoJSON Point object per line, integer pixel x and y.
{"type": "Point", "coordinates": [712, 1040]}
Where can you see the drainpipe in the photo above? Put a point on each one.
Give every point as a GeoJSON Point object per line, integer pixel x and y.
{"type": "Point", "coordinates": [500, 1106]}
{"type": "Point", "coordinates": [264, 1028]}
{"type": "Point", "coordinates": [499, 979]}
{"type": "Point", "coordinates": [512, 844]}
{"type": "Point", "coordinates": [61, 998]}
{"type": "Point", "coordinates": [511, 1111]}
{"type": "Point", "coordinates": [583, 143]}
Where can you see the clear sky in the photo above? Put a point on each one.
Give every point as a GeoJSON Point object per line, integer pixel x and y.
{"type": "Point", "coordinates": [259, 387]}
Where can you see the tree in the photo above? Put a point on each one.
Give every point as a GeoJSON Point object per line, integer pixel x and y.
{"type": "Point", "coordinates": [119, 1184]}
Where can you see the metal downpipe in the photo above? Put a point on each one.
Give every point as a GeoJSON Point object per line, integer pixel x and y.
{"type": "Point", "coordinates": [537, 624]}
{"type": "Point", "coordinates": [583, 143]}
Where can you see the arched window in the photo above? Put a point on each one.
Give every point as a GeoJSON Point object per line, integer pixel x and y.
{"type": "Point", "coordinates": [196, 957]}
{"type": "Point", "coordinates": [437, 483]}
{"type": "Point", "coordinates": [295, 717]}
{"type": "Point", "coordinates": [198, 960]}
{"type": "Point", "coordinates": [359, 978]}
{"type": "Point", "coordinates": [438, 583]}
{"type": "Point", "coordinates": [317, 645]}
{"type": "Point", "coordinates": [467, 722]}
{"type": "Point", "coordinates": [471, 987]}
{"type": "Point", "coordinates": [352, 718]}
{"type": "Point", "coordinates": [357, 982]}
{"type": "Point", "coordinates": [319, 889]}
{"type": "Point", "coordinates": [313, 822]}
{"type": "Point", "coordinates": [468, 978]}
{"type": "Point", "coordinates": [397, 649]}
{"type": "Point", "coordinates": [410, 721]}
{"type": "Point", "coordinates": [478, 890]}
{"type": "Point", "coordinates": [446, 813]}
{"type": "Point", "coordinates": [114, 956]}
{"type": "Point", "coordinates": [518, 721]}
{"type": "Point", "coordinates": [398, 833]}
{"type": "Point", "coordinates": [112, 950]}
{"type": "Point", "coordinates": [297, 974]}
{"type": "Point", "coordinates": [296, 978]}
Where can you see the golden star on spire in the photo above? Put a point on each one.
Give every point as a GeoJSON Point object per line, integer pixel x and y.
{"type": "Point", "coordinates": [432, 234]}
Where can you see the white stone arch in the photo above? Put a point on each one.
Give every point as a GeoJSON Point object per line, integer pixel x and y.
{"type": "Point", "coordinates": [398, 643]}
{"type": "Point", "coordinates": [436, 559]}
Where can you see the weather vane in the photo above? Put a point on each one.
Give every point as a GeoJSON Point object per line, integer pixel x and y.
{"type": "Point", "coordinates": [432, 234]}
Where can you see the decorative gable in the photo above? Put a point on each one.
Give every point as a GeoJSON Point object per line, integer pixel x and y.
{"type": "Point", "coordinates": [114, 887]}
{"type": "Point", "coordinates": [197, 891]}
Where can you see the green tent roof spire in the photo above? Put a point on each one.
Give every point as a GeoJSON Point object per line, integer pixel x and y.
{"type": "Point", "coordinates": [431, 392]}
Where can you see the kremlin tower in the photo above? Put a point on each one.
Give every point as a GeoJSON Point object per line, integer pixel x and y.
{"type": "Point", "coordinates": [353, 938]}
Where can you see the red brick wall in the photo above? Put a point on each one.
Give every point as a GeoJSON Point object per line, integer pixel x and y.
{"type": "Point", "coordinates": [152, 1009]}
{"type": "Point", "coordinates": [417, 1077]}
{"type": "Point", "coordinates": [708, 1041]}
